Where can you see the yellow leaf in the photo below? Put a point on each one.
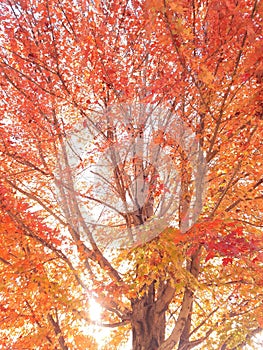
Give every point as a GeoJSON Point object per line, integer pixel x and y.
{"type": "Point", "coordinates": [206, 76]}
{"type": "Point", "coordinates": [177, 7]}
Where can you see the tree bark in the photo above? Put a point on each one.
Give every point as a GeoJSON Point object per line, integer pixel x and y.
{"type": "Point", "coordinates": [148, 321]}
{"type": "Point", "coordinates": [194, 268]}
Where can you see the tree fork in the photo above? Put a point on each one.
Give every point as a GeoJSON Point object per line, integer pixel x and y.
{"type": "Point", "coordinates": [148, 321]}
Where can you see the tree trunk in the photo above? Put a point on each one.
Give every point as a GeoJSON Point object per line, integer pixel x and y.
{"type": "Point", "coordinates": [148, 322]}
{"type": "Point", "coordinates": [148, 312]}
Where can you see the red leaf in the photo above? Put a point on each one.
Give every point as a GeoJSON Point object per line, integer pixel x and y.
{"type": "Point", "coordinates": [227, 261]}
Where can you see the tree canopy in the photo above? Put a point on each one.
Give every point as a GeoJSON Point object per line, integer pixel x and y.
{"type": "Point", "coordinates": [131, 173]}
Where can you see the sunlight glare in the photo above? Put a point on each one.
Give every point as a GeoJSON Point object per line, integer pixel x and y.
{"type": "Point", "coordinates": [94, 311]}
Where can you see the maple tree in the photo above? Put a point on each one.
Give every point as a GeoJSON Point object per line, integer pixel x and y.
{"type": "Point", "coordinates": [131, 173]}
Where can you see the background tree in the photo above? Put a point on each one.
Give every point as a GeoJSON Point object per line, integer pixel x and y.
{"type": "Point", "coordinates": [113, 117]}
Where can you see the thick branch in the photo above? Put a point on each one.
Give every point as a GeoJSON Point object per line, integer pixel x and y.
{"type": "Point", "coordinates": [58, 332]}
{"type": "Point", "coordinates": [174, 338]}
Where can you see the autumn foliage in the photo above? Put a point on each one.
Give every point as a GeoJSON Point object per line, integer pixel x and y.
{"type": "Point", "coordinates": [82, 83]}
